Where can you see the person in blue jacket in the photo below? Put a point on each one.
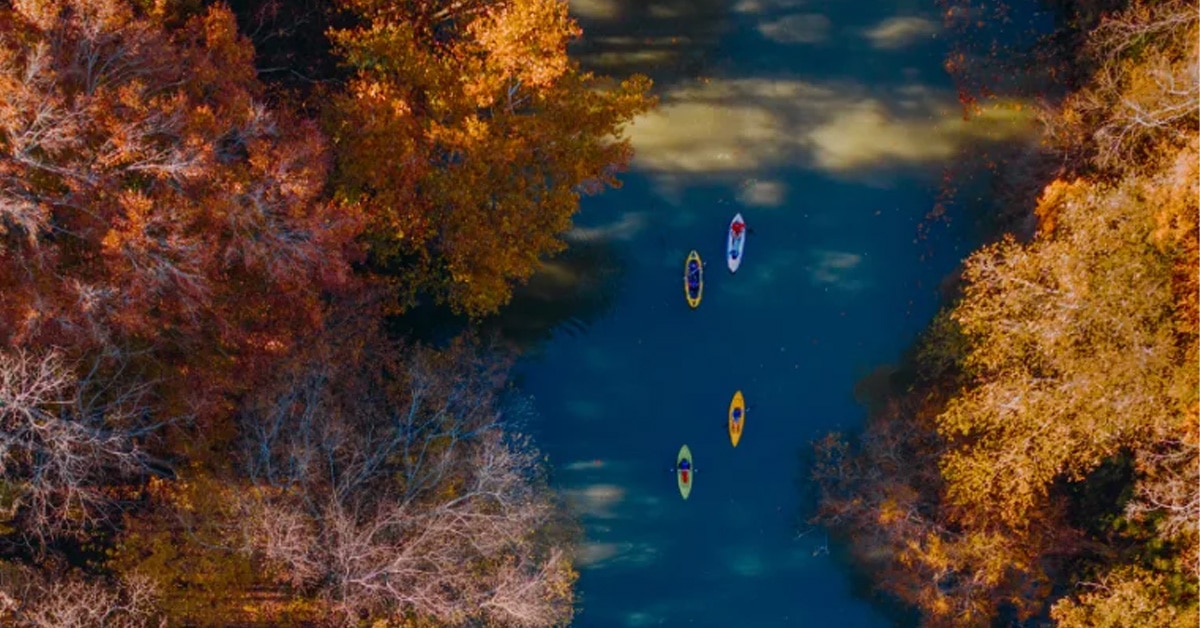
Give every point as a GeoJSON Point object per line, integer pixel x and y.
{"type": "Point", "coordinates": [693, 276]}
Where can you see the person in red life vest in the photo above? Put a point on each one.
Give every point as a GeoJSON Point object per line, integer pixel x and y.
{"type": "Point", "coordinates": [738, 229]}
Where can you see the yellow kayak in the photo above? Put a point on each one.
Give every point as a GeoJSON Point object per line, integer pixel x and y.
{"type": "Point", "coordinates": [737, 417]}
{"type": "Point", "coordinates": [693, 279]}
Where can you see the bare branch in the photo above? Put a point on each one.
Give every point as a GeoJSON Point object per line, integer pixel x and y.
{"type": "Point", "coordinates": [29, 599]}
{"type": "Point", "coordinates": [391, 486]}
{"type": "Point", "coordinates": [65, 438]}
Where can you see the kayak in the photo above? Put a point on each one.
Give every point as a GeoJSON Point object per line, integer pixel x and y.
{"type": "Point", "coordinates": [735, 243]}
{"type": "Point", "coordinates": [693, 294]}
{"type": "Point", "coordinates": [737, 417]}
{"type": "Point", "coordinates": [684, 475]}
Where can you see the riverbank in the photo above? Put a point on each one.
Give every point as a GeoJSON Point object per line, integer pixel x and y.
{"type": "Point", "coordinates": [1035, 457]}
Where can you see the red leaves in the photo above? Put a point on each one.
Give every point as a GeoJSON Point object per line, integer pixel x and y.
{"type": "Point", "coordinates": [147, 196]}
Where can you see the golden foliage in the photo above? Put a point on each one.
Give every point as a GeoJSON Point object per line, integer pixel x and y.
{"type": "Point", "coordinates": [1143, 91]}
{"type": "Point", "coordinates": [1127, 597]}
{"type": "Point", "coordinates": [1070, 364]}
{"type": "Point", "coordinates": [470, 150]}
{"type": "Point", "coordinates": [184, 545]}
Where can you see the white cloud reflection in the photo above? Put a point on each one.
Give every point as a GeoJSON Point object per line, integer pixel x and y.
{"type": "Point", "coordinates": [800, 28]}
{"type": "Point", "coordinates": [895, 33]}
{"type": "Point", "coordinates": [730, 129]}
{"type": "Point", "coordinates": [755, 193]}
{"type": "Point", "coordinates": [837, 269]}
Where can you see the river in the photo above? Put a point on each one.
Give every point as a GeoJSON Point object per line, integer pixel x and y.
{"type": "Point", "coordinates": [828, 125]}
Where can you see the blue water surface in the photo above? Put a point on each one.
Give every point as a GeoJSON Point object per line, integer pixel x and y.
{"type": "Point", "coordinates": [827, 124]}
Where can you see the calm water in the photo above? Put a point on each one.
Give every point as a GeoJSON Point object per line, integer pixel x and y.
{"type": "Point", "coordinates": [827, 124]}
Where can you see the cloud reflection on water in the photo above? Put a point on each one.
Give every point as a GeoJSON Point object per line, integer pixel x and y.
{"type": "Point", "coordinates": [836, 269]}
{"type": "Point", "coordinates": [596, 500]}
{"type": "Point", "coordinates": [598, 492]}
{"type": "Point", "coordinates": [668, 40]}
{"type": "Point", "coordinates": [624, 228]}
{"type": "Point", "coordinates": [763, 6]}
{"type": "Point", "coordinates": [899, 32]}
{"type": "Point", "coordinates": [600, 555]}
{"type": "Point", "coordinates": [799, 28]}
{"type": "Point", "coordinates": [595, 9]}
{"type": "Point", "coordinates": [728, 129]}
{"type": "Point", "coordinates": [755, 193]}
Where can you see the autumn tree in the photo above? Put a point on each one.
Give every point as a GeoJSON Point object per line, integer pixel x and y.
{"type": "Point", "coordinates": [468, 135]}
{"type": "Point", "coordinates": [1070, 364]}
{"type": "Point", "coordinates": [386, 483]}
{"type": "Point", "coordinates": [184, 542]}
{"type": "Point", "coordinates": [1049, 366]}
{"type": "Point", "coordinates": [883, 491]}
{"type": "Point", "coordinates": [1142, 90]}
{"type": "Point", "coordinates": [148, 196]}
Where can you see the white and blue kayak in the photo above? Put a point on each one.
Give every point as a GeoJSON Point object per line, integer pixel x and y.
{"type": "Point", "coordinates": [735, 243]}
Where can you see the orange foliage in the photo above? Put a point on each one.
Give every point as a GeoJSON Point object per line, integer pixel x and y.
{"type": "Point", "coordinates": [470, 149]}
{"type": "Point", "coordinates": [147, 198]}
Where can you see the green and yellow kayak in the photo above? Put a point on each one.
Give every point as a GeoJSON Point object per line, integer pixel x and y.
{"type": "Point", "coordinates": [684, 472]}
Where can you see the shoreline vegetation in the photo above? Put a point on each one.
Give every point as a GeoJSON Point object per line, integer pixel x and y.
{"type": "Point", "coordinates": [212, 216]}
{"type": "Point", "coordinates": [1036, 455]}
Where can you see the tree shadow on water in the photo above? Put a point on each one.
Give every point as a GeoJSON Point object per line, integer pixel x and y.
{"type": "Point", "coordinates": [834, 545]}
{"type": "Point", "coordinates": [571, 291]}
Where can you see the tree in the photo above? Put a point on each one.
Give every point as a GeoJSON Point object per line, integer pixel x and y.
{"type": "Point", "coordinates": [1143, 89]}
{"type": "Point", "coordinates": [66, 442]}
{"type": "Point", "coordinates": [147, 197]}
{"type": "Point", "coordinates": [387, 483]}
{"type": "Point", "coordinates": [468, 136]}
{"type": "Point", "coordinates": [183, 540]}
{"type": "Point", "coordinates": [885, 495]}
{"type": "Point", "coordinates": [29, 599]}
{"type": "Point", "coordinates": [1069, 364]}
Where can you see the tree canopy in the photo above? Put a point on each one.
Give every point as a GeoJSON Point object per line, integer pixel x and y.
{"type": "Point", "coordinates": [468, 135]}
{"type": "Point", "coordinates": [203, 418]}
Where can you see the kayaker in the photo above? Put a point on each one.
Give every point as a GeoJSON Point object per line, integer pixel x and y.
{"type": "Point", "coordinates": [738, 228]}
{"type": "Point", "coordinates": [737, 414]}
{"type": "Point", "coordinates": [693, 274]}
{"type": "Point", "coordinates": [684, 466]}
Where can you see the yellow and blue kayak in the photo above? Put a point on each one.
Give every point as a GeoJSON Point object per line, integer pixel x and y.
{"type": "Point", "coordinates": [693, 267]}
{"type": "Point", "coordinates": [737, 417]}
{"type": "Point", "coordinates": [684, 472]}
